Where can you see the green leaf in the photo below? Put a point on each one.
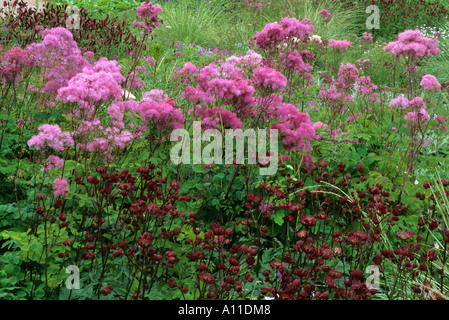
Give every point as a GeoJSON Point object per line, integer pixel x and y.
{"type": "Point", "coordinates": [278, 218]}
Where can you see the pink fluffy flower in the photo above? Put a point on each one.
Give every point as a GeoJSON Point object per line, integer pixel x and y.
{"type": "Point", "coordinates": [287, 29]}
{"type": "Point", "coordinates": [251, 60]}
{"type": "Point", "coordinates": [307, 162]}
{"type": "Point", "coordinates": [429, 82]}
{"type": "Point", "coordinates": [326, 15]}
{"type": "Point", "coordinates": [229, 70]}
{"type": "Point", "coordinates": [59, 57]}
{"type": "Point", "coordinates": [296, 127]}
{"type": "Point", "coordinates": [51, 162]}
{"type": "Point", "coordinates": [270, 36]}
{"type": "Point", "coordinates": [324, 12]}
{"type": "Point", "coordinates": [417, 117]}
{"type": "Point", "coordinates": [294, 60]}
{"type": "Point", "coordinates": [147, 10]}
{"type": "Point", "coordinates": [411, 43]}
{"type": "Point", "coordinates": [154, 95]}
{"type": "Point", "coordinates": [121, 139]}
{"type": "Point", "coordinates": [347, 76]}
{"type": "Point", "coordinates": [109, 66]}
{"type": "Point", "coordinates": [400, 102]}
{"type": "Point", "coordinates": [60, 187]}
{"type": "Point", "coordinates": [13, 63]}
{"type": "Point", "coordinates": [368, 37]}
{"type": "Point", "coordinates": [417, 104]}
{"type": "Point", "coordinates": [148, 13]}
{"type": "Point", "coordinates": [442, 122]}
{"type": "Point", "coordinates": [195, 95]}
{"type": "Point", "coordinates": [98, 145]}
{"type": "Point", "coordinates": [165, 116]}
{"type": "Point", "coordinates": [189, 69]}
{"type": "Point", "coordinates": [297, 29]}
{"type": "Point", "coordinates": [214, 117]}
{"type": "Point", "coordinates": [366, 87]}
{"type": "Point", "coordinates": [269, 78]}
{"type": "Point", "coordinates": [238, 93]}
{"type": "Point", "coordinates": [353, 117]}
{"type": "Point", "coordinates": [340, 45]}
{"type": "Point", "coordinates": [52, 137]}
{"type": "Point", "coordinates": [266, 207]}
{"type": "Point", "coordinates": [89, 89]}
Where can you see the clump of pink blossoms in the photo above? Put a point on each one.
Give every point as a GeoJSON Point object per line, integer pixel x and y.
{"type": "Point", "coordinates": [51, 162]}
{"type": "Point", "coordinates": [52, 137]}
{"type": "Point", "coordinates": [60, 187]}
{"type": "Point", "coordinates": [411, 43]}
{"type": "Point", "coordinates": [289, 29]}
{"type": "Point", "coordinates": [340, 45]}
{"type": "Point", "coordinates": [59, 57]}
{"type": "Point", "coordinates": [13, 63]}
{"type": "Point", "coordinates": [148, 13]}
{"type": "Point", "coordinates": [368, 37]}
{"type": "Point", "coordinates": [212, 118]}
{"type": "Point", "coordinates": [269, 78]}
{"type": "Point", "coordinates": [296, 126]}
{"type": "Point", "coordinates": [297, 61]}
{"type": "Point", "coordinates": [400, 102]}
{"type": "Point", "coordinates": [417, 117]}
{"type": "Point", "coordinates": [326, 14]}
{"type": "Point", "coordinates": [347, 76]}
{"type": "Point", "coordinates": [90, 89]}
{"type": "Point", "coordinates": [164, 115]}
{"type": "Point", "coordinates": [429, 82]}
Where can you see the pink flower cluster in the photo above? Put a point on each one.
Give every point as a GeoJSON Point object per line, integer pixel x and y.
{"type": "Point", "coordinates": [411, 43]}
{"type": "Point", "coordinates": [325, 14]}
{"type": "Point", "coordinates": [212, 118]}
{"type": "Point", "coordinates": [294, 60]}
{"type": "Point", "coordinates": [13, 63]}
{"type": "Point", "coordinates": [52, 137]}
{"type": "Point", "coordinates": [226, 83]}
{"type": "Point", "coordinates": [429, 82]}
{"type": "Point", "coordinates": [269, 78]}
{"type": "Point", "coordinates": [339, 90]}
{"type": "Point", "coordinates": [340, 45]}
{"type": "Point", "coordinates": [148, 12]}
{"type": "Point", "coordinates": [237, 93]}
{"type": "Point", "coordinates": [51, 162]}
{"type": "Point", "coordinates": [251, 60]}
{"type": "Point", "coordinates": [154, 95]}
{"type": "Point", "coordinates": [417, 116]}
{"type": "Point", "coordinates": [109, 66]}
{"type": "Point", "coordinates": [296, 126]}
{"type": "Point", "coordinates": [162, 114]}
{"type": "Point", "coordinates": [353, 117]}
{"type": "Point", "coordinates": [442, 122]}
{"type": "Point", "coordinates": [346, 76]}
{"type": "Point", "coordinates": [400, 102]}
{"type": "Point", "coordinates": [368, 37]}
{"type": "Point", "coordinates": [367, 88]}
{"type": "Point", "coordinates": [288, 29]}
{"type": "Point", "coordinates": [189, 69]}
{"type": "Point", "coordinates": [256, 4]}
{"type": "Point", "coordinates": [90, 89]}
{"type": "Point", "coordinates": [60, 187]}
{"type": "Point", "coordinates": [59, 57]}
